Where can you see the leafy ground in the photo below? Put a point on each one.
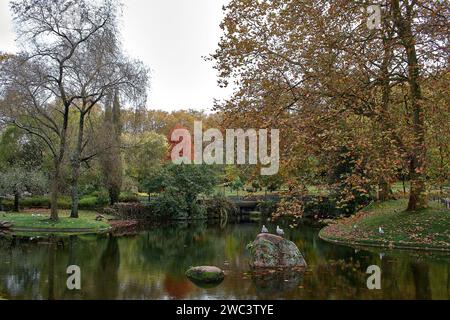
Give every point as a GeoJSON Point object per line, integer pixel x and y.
{"type": "Point", "coordinates": [423, 229]}
{"type": "Point", "coordinates": [39, 219]}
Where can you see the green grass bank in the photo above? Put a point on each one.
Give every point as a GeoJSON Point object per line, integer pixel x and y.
{"type": "Point", "coordinates": [38, 220]}
{"type": "Point", "coordinates": [422, 230]}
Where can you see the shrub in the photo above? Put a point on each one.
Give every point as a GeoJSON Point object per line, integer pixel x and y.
{"type": "Point", "coordinates": [267, 207]}
{"type": "Point", "coordinates": [136, 211]}
{"type": "Point", "coordinates": [128, 197]}
{"type": "Point", "coordinates": [88, 203]}
{"type": "Point", "coordinates": [6, 205]}
{"type": "Point", "coordinates": [102, 197]}
{"type": "Point", "coordinates": [43, 202]}
{"type": "Point", "coordinates": [218, 206]}
{"type": "Point", "coordinates": [170, 206]}
{"type": "Point", "coordinates": [64, 203]}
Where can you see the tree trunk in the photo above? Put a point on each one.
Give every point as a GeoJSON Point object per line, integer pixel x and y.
{"type": "Point", "coordinates": [74, 194]}
{"type": "Point", "coordinates": [114, 194]}
{"type": "Point", "coordinates": [58, 159]}
{"type": "Point", "coordinates": [54, 192]}
{"type": "Point", "coordinates": [442, 171]}
{"type": "Point", "coordinates": [418, 194]}
{"type": "Point", "coordinates": [76, 163]}
{"type": "Point", "coordinates": [385, 191]}
{"type": "Point", "coordinates": [421, 277]}
{"type": "Point", "coordinates": [16, 201]}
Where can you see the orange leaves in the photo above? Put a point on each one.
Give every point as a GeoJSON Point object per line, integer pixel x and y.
{"type": "Point", "coordinates": [291, 207]}
{"type": "Point", "coordinates": [329, 84]}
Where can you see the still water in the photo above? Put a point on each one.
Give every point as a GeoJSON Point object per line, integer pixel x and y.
{"type": "Point", "coordinates": [151, 265]}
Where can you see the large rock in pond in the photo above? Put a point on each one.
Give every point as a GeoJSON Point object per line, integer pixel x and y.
{"type": "Point", "coordinates": [205, 274]}
{"type": "Point", "coordinates": [271, 251]}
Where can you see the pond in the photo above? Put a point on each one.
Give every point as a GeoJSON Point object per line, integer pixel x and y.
{"type": "Point", "coordinates": [151, 265]}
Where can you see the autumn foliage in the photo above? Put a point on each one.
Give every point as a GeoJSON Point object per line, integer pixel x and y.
{"type": "Point", "coordinates": [343, 94]}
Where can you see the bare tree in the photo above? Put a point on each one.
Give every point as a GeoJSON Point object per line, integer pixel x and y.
{"type": "Point", "coordinates": [102, 71]}
{"type": "Point", "coordinates": [68, 61]}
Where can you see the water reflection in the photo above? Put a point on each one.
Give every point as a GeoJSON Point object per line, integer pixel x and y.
{"type": "Point", "coordinates": [152, 264]}
{"type": "Point", "coordinates": [271, 283]}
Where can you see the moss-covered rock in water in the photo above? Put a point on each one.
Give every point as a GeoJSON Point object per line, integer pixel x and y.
{"type": "Point", "coordinates": [205, 274]}
{"type": "Point", "coordinates": [271, 251]}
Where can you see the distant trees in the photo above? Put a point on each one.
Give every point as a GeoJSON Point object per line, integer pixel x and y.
{"type": "Point", "coordinates": [20, 165]}
{"type": "Point", "coordinates": [143, 120]}
{"type": "Point", "coordinates": [237, 185]}
{"type": "Point", "coordinates": [110, 157]}
{"type": "Point", "coordinates": [17, 181]}
{"type": "Point", "coordinates": [144, 156]}
{"type": "Point", "coordinates": [272, 183]}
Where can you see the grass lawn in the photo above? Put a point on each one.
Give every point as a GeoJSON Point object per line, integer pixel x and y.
{"type": "Point", "coordinates": [428, 228]}
{"type": "Point", "coordinates": [227, 192]}
{"type": "Point", "coordinates": [39, 219]}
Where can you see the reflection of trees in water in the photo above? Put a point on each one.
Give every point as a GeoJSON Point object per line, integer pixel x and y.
{"type": "Point", "coordinates": [273, 285]}
{"type": "Point", "coordinates": [152, 266]}
{"type": "Point", "coordinates": [106, 275]}
{"type": "Point", "coordinates": [177, 288]}
{"type": "Point", "coordinates": [176, 248]}
{"type": "Point", "coordinates": [51, 270]}
{"type": "Point", "coordinates": [421, 281]}
{"type": "Point", "coordinates": [37, 268]}
{"type": "Point", "coordinates": [20, 271]}
{"type": "Point", "coordinates": [167, 253]}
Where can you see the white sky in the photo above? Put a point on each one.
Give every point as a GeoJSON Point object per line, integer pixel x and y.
{"type": "Point", "coordinates": [171, 37]}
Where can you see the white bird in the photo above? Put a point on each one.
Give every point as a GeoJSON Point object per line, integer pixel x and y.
{"type": "Point", "coordinates": [264, 230]}
{"type": "Point", "coordinates": [280, 231]}
{"type": "Point", "coordinates": [380, 230]}
{"type": "Point", "coordinates": [382, 254]}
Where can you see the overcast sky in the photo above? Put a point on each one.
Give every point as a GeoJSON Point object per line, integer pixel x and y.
{"type": "Point", "coordinates": [171, 37]}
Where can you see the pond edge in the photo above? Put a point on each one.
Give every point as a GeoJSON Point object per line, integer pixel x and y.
{"type": "Point", "coordinates": [377, 244]}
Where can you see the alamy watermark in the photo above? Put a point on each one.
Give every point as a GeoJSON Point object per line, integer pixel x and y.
{"type": "Point", "coordinates": [74, 280]}
{"type": "Point", "coordinates": [374, 280]}
{"type": "Point", "coordinates": [210, 148]}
